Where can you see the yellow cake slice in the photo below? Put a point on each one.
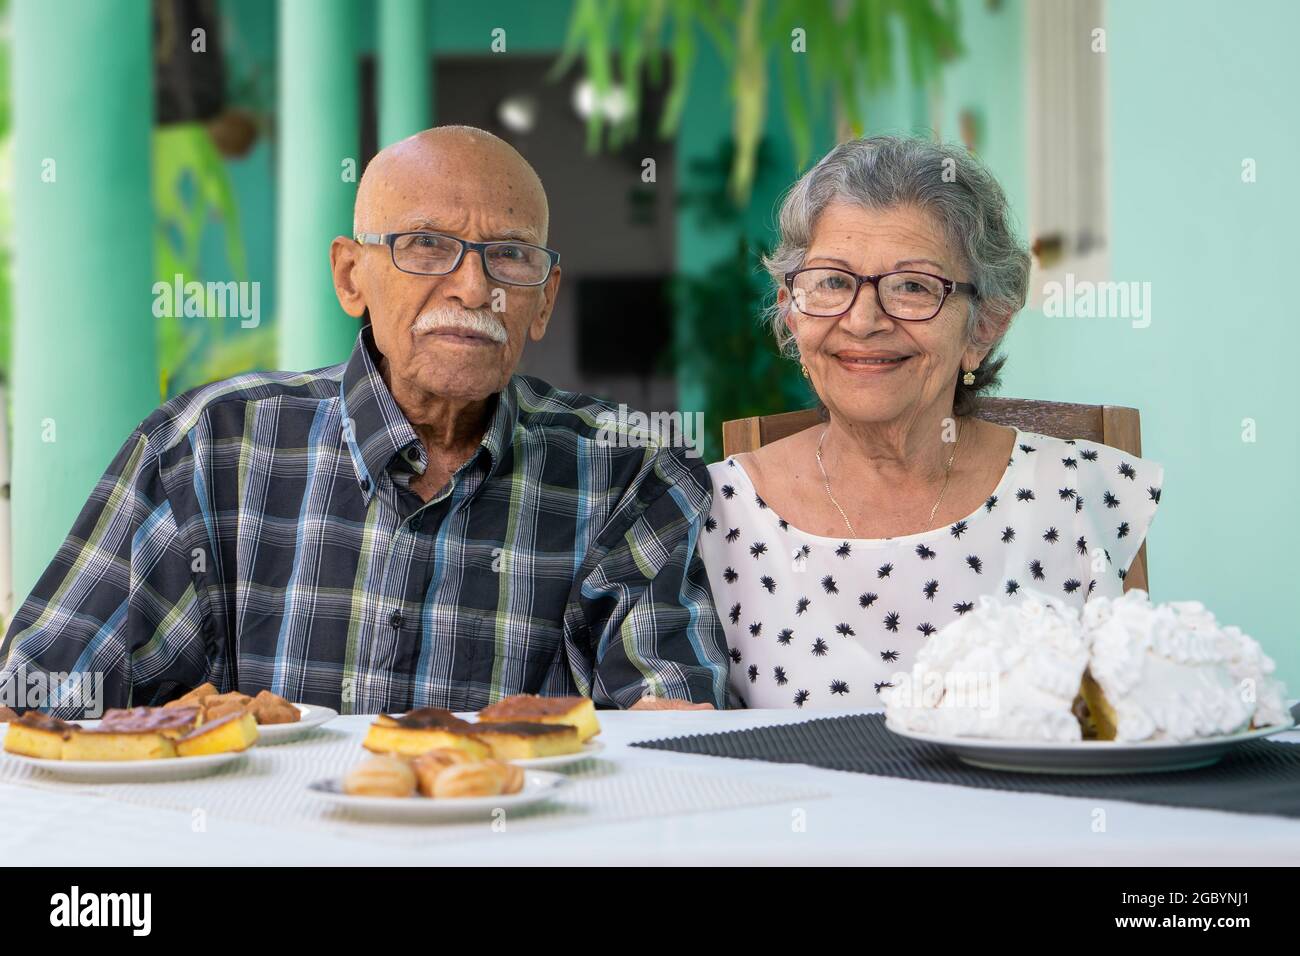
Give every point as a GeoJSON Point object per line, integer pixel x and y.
{"type": "Point", "coordinates": [524, 741]}
{"type": "Point", "coordinates": [36, 735]}
{"type": "Point", "coordinates": [1101, 718]}
{"type": "Point", "coordinates": [418, 732]}
{"type": "Point", "coordinates": [223, 735]}
{"type": "Point", "coordinates": [118, 745]}
{"type": "Point", "coordinates": [578, 712]}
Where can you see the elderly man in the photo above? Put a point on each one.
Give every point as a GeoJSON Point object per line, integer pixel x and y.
{"type": "Point", "coordinates": [418, 526]}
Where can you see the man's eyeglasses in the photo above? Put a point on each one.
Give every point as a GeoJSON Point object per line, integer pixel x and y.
{"type": "Point", "coordinates": [825, 292]}
{"type": "Point", "coordinates": [433, 254]}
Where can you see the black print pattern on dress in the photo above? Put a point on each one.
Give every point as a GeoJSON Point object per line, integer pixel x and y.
{"type": "Point", "coordinates": [818, 622]}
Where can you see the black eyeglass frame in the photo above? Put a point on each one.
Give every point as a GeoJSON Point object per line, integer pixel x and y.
{"type": "Point", "coordinates": [949, 287]}
{"type": "Point", "coordinates": [389, 239]}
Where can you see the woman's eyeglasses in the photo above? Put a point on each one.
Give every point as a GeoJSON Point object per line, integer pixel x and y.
{"type": "Point", "coordinates": [825, 292]}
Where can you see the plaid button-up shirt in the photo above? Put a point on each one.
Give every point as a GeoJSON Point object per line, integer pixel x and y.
{"type": "Point", "coordinates": [261, 533]}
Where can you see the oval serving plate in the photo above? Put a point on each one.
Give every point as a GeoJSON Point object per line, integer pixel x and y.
{"type": "Point", "coordinates": [130, 771]}
{"type": "Point", "coordinates": [313, 716]}
{"type": "Point", "coordinates": [1091, 756]}
{"type": "Point", "coordinates": [539, 785]}
{"type": "Point", "coordinates": [589, 749]}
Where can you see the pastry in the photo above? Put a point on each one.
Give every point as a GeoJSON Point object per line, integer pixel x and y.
{"type": "Point", "coordinates": [220, 705]}
{"type": "Point", "coordinates": [522, 741]}
{"type": "Point", "coordinates": [420, 731]}
{"type": "Point", "coordinates": [266, 707]}
{"type": "Point", "coordinates": [173, 722]}
{"type": "Point", "coordinates": [195, 696]}
{"type": "Point", "coordinates": [579, 712]}
{"type": "Point", "coordinates": [236, 731]}
{"type": "Point", "coordinates": [36, 735]}
{"type": "Point", "coordinates": [382, 776]}
{"type": "Point", "coordinates": [7, 714]}
{"type": "Point", "coordinates": [428, 766]}
{"type": "Point", "coordinates": [487, 778]}
{"type": "Point", "coordinates": [107, 744]}
{"type": "Point", "coordinates": [269, 708]}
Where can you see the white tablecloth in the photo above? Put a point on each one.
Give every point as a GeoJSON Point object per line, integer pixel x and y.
{"type": "Point", "coordinates": [863, 820]}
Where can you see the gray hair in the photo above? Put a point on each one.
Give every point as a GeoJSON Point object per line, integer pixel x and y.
{"type": "Point", "coordinates": [886, 172]}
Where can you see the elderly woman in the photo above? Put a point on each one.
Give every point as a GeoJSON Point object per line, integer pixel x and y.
{"type": "Point", "coordinates": [834, 553]}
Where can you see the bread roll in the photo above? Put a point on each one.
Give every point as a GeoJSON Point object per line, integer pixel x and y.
{"type": "Point", "coordinates": [429, 766]}
{"type": "Point", "coordinates": [384, 776]}
{"type": "Point", "coordinates": [488, 778]}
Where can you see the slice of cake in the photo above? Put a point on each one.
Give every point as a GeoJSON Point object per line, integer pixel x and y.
{"type": "Point", "coordinates": [36, 735]}
{"type": "Point", "coordinates": [173, 722]}
{"type": "Point", "coordinates": [223, 735]}
{"type": "Point", "coordinates": [523, 741]}
{"type": "Point", "coordinates": [1001, 670]}
{"type": "Point", "coordinates": [420, 731]}
{"type": "Point", "coordinates": [103, 744]}
{"type": "Point", "coordinates": [578, 712]}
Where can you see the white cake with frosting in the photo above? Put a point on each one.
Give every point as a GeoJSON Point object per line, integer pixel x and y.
{"type": "Point", "coordinates": [1000, 670]}
{"type": "Point", "coordinates": [1124, 669]}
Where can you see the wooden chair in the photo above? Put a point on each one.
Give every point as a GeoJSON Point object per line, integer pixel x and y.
{"type": "Point", "coordinates": [1114, 425]}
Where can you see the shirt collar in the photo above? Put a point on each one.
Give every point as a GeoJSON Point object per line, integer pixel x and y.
{"type": "Point", "coordinates": [375, 429]}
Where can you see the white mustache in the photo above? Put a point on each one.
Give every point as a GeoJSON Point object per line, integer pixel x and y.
{"type": "Point", "coordinates": [479, 321]}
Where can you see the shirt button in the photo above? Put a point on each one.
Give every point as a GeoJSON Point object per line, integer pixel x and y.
{"type": "Point", "coordinates": [395, 619]}
{"type": "Point", "coordinates": [365, 484]}
{"type": "Point", "coordinates": [414, 523]}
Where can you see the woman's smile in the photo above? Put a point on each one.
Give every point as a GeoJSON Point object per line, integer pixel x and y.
{"type": "Point", "coordinates": [871, 362]}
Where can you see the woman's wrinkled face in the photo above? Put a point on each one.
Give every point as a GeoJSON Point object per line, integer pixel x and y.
{"type": "Point", "coordinates": [865, 365]}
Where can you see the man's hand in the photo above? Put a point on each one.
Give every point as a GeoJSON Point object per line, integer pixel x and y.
{"type": "Point", "coordinates": [667, 703]}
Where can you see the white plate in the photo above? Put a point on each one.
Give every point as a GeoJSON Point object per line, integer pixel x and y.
{"type": "Point", "coordinates": [589, 749]}
{"type": "Point", "coordinates": [538, 785]}
{"type": "Point", "coordinates": [1090, 756]}
{"type": "Point", "coordinates": [313, 716]}
{"type": "Point", "coordinates": [129, 771]}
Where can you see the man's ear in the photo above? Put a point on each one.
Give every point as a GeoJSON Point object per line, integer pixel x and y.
{"type": "Point", "coordinates": [344, 263]}
{"type": "Point", "coordinates": [537, 328]}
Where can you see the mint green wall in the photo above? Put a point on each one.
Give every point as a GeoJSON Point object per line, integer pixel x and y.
{"type": "Point", "coordinates": [1195, 88]}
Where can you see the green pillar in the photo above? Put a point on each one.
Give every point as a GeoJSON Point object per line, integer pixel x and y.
{"type": "Point", "coordinates": [84, 359]}
{"type": "Point", "coordinates": [405, 80]}
{"type": "Point", "coordinates": [318, 145]}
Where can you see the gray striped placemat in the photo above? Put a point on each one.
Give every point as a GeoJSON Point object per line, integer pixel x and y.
{"type": "Point", "coordinates": [1259, 776]}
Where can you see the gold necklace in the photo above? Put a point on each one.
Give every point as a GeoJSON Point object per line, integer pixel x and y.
{"type": "Point", "coordinates": [826, 482]}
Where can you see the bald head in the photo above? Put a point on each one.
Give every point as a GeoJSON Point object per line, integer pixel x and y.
{"type": "Point", "coordinates": [451, 166]}
{"type": "Point", "coordinates": [455, 336]}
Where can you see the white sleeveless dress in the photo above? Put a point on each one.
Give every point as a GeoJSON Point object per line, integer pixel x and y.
{"type": "Point", "coordinates": [825, 623]}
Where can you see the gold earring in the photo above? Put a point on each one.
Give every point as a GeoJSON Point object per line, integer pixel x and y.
{"type": "Point", "coordinates": [803, 368]}
{"type": "Point", "coordinates": [968, 378]}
